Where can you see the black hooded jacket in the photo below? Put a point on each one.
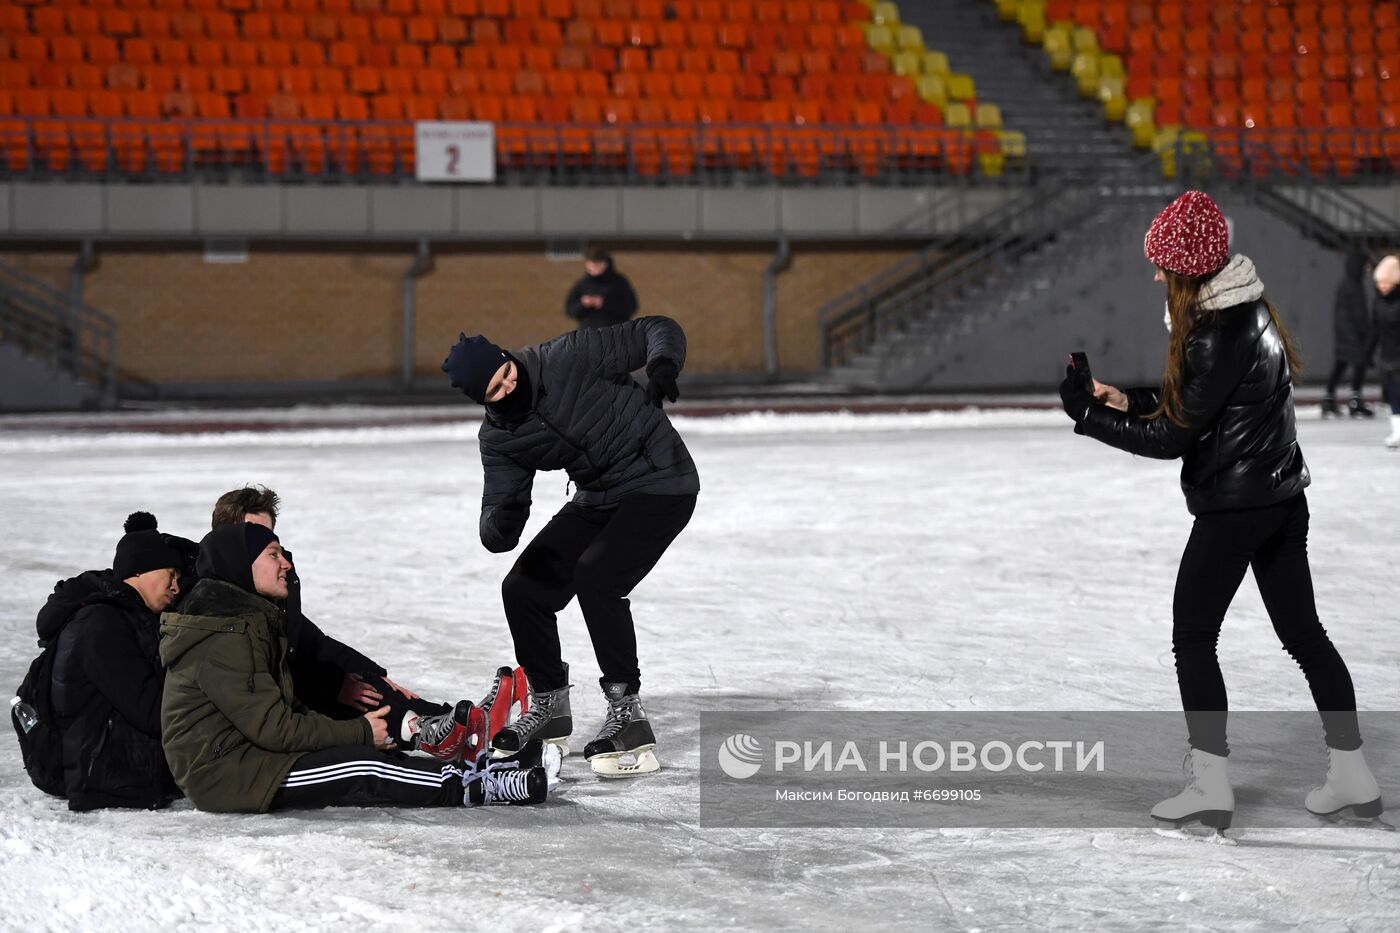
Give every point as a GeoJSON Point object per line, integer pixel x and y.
{"type": "Point", "coordinates": [1239, 446]}
{"type": "Point", "coordinates": [619, 300]}
{"type": "Point", "coordinates": [107, 685]}
{"type": "Point", "coordinates": [318, 663]}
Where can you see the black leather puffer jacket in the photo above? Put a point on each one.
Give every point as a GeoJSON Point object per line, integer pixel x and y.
{"type": "Point", "coordinates": [590, 418]}
{"type": "Point", "coordinates": [1239, 446]}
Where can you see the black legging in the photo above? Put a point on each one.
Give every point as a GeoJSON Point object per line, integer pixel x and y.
{"type": "Point", "coordinates": [599, 555]}
{"type": "Point", "coordinates": [1339, 368]}
{"type": "Point", "coordinates": [1274, 542]}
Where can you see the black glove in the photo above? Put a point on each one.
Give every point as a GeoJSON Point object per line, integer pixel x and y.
{"type": "Point", "coordinates": [661, 381]}
{"type": "Point", "coordinates": [1074, 396]}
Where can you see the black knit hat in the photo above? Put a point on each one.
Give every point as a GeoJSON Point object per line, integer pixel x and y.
{"type": "Point", "coordinates": [143, 548]}
{"type": "Point", "coordinates": [227, 553]}
{"type": "Point", "coordinates": [471, 364]}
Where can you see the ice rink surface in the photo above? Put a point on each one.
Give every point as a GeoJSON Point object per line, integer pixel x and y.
{"type": "Point", "coordinates": [926, 562]}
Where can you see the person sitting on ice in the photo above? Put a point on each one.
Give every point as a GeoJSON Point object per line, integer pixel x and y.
{"type": "Point", "coordinates": [107, 678]}
{"type": "Point", "coordinates": [330, 677]}
{"type": "Point", "coordinates": [238, 740]}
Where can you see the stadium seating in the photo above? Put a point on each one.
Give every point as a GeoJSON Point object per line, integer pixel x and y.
{"type": "Point", "coordinates": [654, 87]}
{"type": "Point", "coordinates": [1308, 85]}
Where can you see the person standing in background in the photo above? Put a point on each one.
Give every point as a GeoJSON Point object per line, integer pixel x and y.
{"type": "Point", "coordinates": [603, 296]}
{"type": "Point", "coordinates": [1387, 318]}
{"type": "Point", "coordinates": [1354, 338]}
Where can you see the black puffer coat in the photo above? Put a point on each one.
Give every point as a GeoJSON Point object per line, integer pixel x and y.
{"type": "Point", "coordinates": [1388, 329]}
{"type": "Point", "coordinates": [619, 300]}
{"type": "Point", "coordinates": [589, 417]}
{"type": "Point", "coordinates": [1353, 328]}
{"type": "Point", "coordinates": [1240, 445]}
{"type": "Point", "coordinates": [107, 685]}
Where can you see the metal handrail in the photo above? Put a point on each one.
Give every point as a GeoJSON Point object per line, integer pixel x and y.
{"type": "Point", "coordinates": [856, 320]}
{"type": "Point", "coordinates": [46, 323]}
{"type": "Point", "coordinates": [172, 147]}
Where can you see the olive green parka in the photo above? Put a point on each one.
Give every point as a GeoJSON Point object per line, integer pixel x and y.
{"type": "Point", "coordinates": [231, 725]}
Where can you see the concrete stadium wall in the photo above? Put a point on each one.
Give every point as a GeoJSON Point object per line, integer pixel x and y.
{"type": "Point", "coordinates": [325, 313]}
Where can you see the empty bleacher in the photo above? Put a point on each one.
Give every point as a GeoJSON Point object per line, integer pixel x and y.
{"type": "Point", "coordinates": [331, 87]}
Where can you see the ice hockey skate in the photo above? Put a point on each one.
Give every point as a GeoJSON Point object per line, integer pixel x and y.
{"type": "Point", "coordinates": [492, 713]}
{"type": "Point", "coordinates": [1350, 791]}
{"type": "Point", "coordinates": [498, 785]}
{"type": "Point", "coordinates": [546, 716]}
{"type": "Point", "coordinates": [445, 736]}
{"type": "Point", "coordinates": [1208, 798]}
{"type": "Point", "coordinates": [623, 746]}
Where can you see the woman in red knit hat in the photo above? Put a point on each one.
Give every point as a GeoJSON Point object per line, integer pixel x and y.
{"type": "Point", "coordinates": [1225, 407]}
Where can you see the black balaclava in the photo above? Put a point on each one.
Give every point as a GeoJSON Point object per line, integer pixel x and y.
{"type": "Point", "coordinates": [227, 553]}
{"type": "Point", "coordinates": [516, 405]}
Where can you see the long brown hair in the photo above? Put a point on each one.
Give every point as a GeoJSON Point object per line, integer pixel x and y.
{"type": "Point", "coordinates": [1186, 314]}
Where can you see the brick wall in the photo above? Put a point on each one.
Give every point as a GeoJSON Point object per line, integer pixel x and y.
{"type": "Point", "coordinates": [325, 315]}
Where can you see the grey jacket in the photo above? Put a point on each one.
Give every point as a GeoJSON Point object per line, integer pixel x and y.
{"type": "Point", "coordinates": [587, 417]}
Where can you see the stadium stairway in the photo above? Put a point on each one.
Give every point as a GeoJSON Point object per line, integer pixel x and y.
{"type": "Point", "coordinates": [54, 353]}
{"type": "Point", "coordinates": [1065, 133]}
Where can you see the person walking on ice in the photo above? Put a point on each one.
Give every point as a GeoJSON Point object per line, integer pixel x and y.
{"type": "Point", "coordinates": [1225, 407]}
{"type": "Point", "coordinates": [571, 404]}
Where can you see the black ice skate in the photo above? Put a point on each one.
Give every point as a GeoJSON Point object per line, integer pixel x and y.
{"type": "Point", "coordinates": [1330, 409]}
{"type": "Point", "coordinates": [623, 746]}
{"type": "Point", "coordinates": [1359, 409]}
{"type": "Point", "coordinates": [547, 717]}
{"type": "Point", "coordinates": [493, 785]}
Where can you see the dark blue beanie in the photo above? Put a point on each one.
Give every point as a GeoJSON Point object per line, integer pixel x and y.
{"type": "Point", "coordinates": [471, 364]}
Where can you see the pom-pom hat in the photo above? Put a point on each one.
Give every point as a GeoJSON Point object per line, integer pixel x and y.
{"type": "Point", "coordinates": [1189, 237]}
{"type": "Point", "coordinates": [143, 548]}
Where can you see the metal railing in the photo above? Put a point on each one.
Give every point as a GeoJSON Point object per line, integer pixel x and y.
{"type": "Point", "coordinates": [73, 337]}
{"type": "Point", "coordinates": [32, 147]}
{"type": "Point", "coordinates": [859, 319]}
{"type": "Point", "coordinates": [1278, 169]}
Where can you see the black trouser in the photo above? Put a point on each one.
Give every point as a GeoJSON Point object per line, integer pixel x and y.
{"type": "Point", "coordinates": [1391, 390]}
{"type": "Point", "coordinates": [599, 555]}
{"type": "Point", "coordinates": [1339, 369]}
{"type": "Point", "coordinates": [357, 776]}
{"type": "Point", "coordinates": [1274, 542]}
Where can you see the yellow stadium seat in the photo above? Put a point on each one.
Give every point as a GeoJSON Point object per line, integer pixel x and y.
{"type": "Point", "coordinates": [910, 39]}
{"type": "Point", "coordinates": [1084, 68]}
{"type": "Point", "coordinates": [1031, 15]}
{"type": "Point", "coordinates": [961, 87]}
{"type": "Point", "coordinates": [1085, 40]}
{"type": "Point", "coordinates": [880, 38]}
{"type": "Point", "coordinates": [1139, 118]}
{"type": "Point", "coordinates": [957, 115]}
{"type": "Point", "coordinates": [886, 14]}
{"type": "Point", "coordinates": [933, 89]}
{"type": "Point", "coordinates": [1007, 10]}
{"type": "Point", "coordinates": [907, 63]}
{"type": "Point", "coordinates": [1111, 66]}
{"type": "Point", "coordinates": [987, 117]}
{"type": "Point", "coordinates": [1013, 144]}
{"type": "Point", "coordinates": [1059, 46]}
{"type": "Point", "coordinates": [935, 63]}
{"type": "Point", "coordinates": [1111, 94]}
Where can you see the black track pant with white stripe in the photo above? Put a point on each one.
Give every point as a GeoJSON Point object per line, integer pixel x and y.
{"type": "Point", "coordinates": [355, 776]}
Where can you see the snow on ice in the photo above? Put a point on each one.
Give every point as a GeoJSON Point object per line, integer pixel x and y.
{"type": "Point", "coordinates": [932, 561]}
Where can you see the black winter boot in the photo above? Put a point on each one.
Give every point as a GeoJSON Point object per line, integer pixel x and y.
{"type": "Point", "coordinates": [1360, 409]}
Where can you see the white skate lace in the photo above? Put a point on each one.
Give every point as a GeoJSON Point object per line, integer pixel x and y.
{"type": "Point", "coordinates": [511, 785]}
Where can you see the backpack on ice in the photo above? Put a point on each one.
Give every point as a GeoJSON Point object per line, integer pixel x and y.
{"type": "Point", "coordinates": [42, 745]}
